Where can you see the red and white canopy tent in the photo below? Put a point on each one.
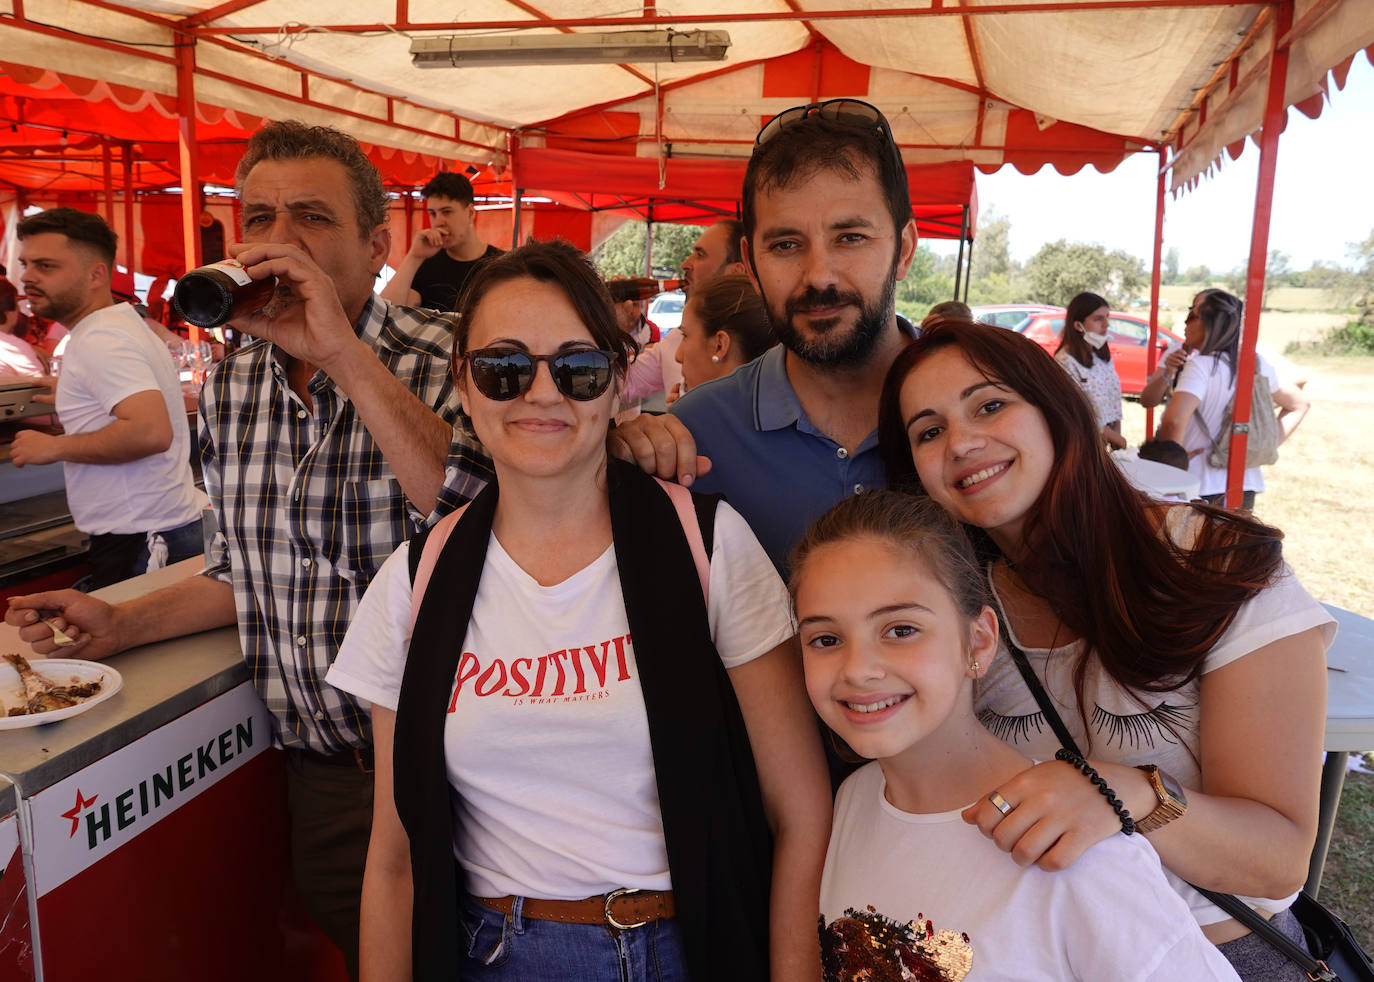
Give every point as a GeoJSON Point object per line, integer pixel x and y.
{"type": "Point", "coordinates": [986, 82]}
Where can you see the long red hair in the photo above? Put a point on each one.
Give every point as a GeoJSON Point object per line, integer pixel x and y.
{"type": "Point", "coordinates": [1149, 608]}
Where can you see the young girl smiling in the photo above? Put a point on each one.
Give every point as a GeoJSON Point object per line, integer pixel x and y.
{"type": "Point", "coordinates": [896, 627]}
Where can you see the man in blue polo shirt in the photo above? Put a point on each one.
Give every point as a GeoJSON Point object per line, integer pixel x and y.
{"type": "Point", "coordinates": [828, 233]}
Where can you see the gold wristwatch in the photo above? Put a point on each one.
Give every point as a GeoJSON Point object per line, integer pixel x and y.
{"type": "Point", "coordinates": [1173, 801]}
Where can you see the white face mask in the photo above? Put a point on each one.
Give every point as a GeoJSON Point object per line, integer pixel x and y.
{"type": "Point", "coordinates": [1096, 340]}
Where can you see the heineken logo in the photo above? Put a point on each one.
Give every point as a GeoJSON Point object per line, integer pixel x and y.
{"type": "Point", "coordinates": [111, 802]}
{"type": "Point", "coordinates": [75, 813]}
{"type": "Point", "coordinates": [103, 815]}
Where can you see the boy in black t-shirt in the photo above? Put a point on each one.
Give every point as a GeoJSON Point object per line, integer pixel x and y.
{"type": "Point", "coordinates": [442, 256]}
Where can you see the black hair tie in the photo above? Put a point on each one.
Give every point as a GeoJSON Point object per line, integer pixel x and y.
{"type": "Point", "coordinates": [1076, 759]}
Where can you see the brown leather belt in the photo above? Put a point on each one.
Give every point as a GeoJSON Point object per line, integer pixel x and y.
{"type": "Point", "coordinates": [619, 909]}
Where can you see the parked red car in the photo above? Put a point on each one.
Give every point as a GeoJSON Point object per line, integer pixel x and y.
{"type": "Point", "coordinates": [1126, 335]}
{"type": "Point", "coordinates": [1009, 314]}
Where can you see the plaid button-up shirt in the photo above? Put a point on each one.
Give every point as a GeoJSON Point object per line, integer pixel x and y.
{"type": "Point", "coordinates": [308, 510]}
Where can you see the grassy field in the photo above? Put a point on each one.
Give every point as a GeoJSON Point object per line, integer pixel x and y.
{"type": "Point", "coordinates": [1348, 882]}
{"type": "Point", "coordinates": [1287, 299]}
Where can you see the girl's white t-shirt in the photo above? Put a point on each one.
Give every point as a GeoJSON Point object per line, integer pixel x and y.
{"type": "Point", "coordinates": [933, 894]}
{"type": "Point", "coordinates": [547, 740]}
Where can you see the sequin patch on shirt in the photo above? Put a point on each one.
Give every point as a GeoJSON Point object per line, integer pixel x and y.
{"type": "Point", "coordinates": [865, 946]}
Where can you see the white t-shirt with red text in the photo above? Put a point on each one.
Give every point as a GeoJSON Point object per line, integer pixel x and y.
{"type": "Point", "coordinates": [547, 740]}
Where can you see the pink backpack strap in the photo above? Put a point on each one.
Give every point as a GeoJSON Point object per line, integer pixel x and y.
{"type": "Point", "coordinates": [434, 545]}
{"type": "Point", "coordinates": [687, 515]}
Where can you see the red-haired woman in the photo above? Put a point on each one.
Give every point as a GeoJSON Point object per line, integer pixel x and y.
{"type": "Point", "coordinates": [1186, 660]}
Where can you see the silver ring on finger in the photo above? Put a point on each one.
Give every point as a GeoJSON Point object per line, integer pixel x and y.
{"type": "Point", "coordinates": [1000, 803]}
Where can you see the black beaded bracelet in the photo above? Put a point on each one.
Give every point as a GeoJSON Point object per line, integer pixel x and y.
{"type": "Point", "coordinates": [1069, 757]}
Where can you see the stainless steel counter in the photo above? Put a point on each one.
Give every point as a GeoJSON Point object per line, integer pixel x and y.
{"type": "Point", "coordinates": [161, 682]}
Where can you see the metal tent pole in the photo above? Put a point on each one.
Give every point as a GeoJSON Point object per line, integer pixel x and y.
{"type": "Point", "coordinates": [1259, 250]}
{"type": "Point", "coordinates": [1151, 351]}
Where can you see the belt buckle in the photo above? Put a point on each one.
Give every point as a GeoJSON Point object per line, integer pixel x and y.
{"type": "Point", "coordinates": [611, 898]}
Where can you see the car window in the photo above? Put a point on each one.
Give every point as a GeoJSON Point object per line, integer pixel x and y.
{"type": "Point", "coordinates": [666, 305]}
{"type": "Point", "coordinates": [1128, 331]}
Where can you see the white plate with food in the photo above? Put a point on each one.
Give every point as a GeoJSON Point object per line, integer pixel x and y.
{"type": "Point", "coordinates": [50, 689]}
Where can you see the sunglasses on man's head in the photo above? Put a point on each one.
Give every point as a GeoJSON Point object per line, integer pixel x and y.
{"type": "Point", "coordinates": [842, 110]}
{"type": "Point", "coordinates": [502, 374]}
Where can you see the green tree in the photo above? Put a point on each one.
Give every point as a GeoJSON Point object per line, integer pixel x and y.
{"type": "Point", "coordinates": [1277, 272]}
{"type": "Point", "coordinates": [992, 249]}
{"type": "Point", "coordinates": [1200, 274]}
{"type": "Point", "coordinates": [1360, 283]}
{"type": "Point", "coordinates": [1319, 276]}
{"type": "Point", "coordinates": [1062, 269]}
{"type": "Point", "coordinates": [1235, 281]}
{"type": "Point", "coordinates": [1170, 272]}
{"type": "Point", "coordinates": [622, 254]}
{"type": "Point", "coordinates": [995, 276]}
{"type": "Point", "coordinates": [923, 287]}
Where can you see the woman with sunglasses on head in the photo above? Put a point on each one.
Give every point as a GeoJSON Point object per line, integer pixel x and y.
{"type": "Point", "coordinates": [1206, 386]}
{"type": "Point", "coordinates": [1083, 352]}
{"type": "Point", "coordinates": [724, 326]}
{"type": "Point", "coordinates": [598, 740]}
{"type": "Point", "coordinates": [1169, 643]}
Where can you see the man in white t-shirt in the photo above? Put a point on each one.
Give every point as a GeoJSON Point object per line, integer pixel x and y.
{"type": "Point", "coordinates": [126, 449]}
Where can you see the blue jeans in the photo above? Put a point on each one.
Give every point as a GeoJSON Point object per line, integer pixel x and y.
{"type": "Point", "coordinates": [512, 948]}
{"type": "Point", "coordinates": [182, 543]}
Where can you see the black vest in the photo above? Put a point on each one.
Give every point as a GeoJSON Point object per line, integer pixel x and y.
{"type": "Point", "coordinates": [719, 848]}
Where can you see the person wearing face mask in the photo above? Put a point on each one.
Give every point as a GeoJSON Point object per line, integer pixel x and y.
{"type": "Point", "coordinates": [1084, 353]}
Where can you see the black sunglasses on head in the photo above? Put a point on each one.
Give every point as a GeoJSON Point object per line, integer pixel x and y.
{"type": "Point", "coordinates": [502, 374]}
{"type": "Point", "coordinates": [843, 110]}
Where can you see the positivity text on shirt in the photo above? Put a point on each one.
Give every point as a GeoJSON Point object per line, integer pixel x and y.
{"type": "Point", "coordinates": [574, 674]}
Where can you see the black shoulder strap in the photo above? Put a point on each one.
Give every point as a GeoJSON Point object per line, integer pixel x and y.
{"type": "Point", "coordinates": [705, 505]}
{"type": "Point", "coordinates": [1042, 698]}
{"type": "Point", "coordinates": [424, 799]}
{"type": "Point", "coordinates": [417, 549]}
{"type": "Point", "coordinates": [1234, 906]}
{"type": "Point", "coordinates": [715, 831]}
{"type": "Point", "coordinates": [1281, 942]}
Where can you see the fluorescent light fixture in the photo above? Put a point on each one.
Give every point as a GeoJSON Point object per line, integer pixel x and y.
{"type": "Point", "coordinates": [568, 49]}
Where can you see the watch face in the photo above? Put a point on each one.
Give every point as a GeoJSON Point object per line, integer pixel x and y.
{"type": "Point", "coordinates": [1172, 787]}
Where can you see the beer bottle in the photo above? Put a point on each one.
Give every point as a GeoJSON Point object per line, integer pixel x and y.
{"type": "Point", "coordinates": [218, 293]}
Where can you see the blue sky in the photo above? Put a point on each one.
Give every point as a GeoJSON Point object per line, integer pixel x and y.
{"type": "Point", "coordinates": [1323, 195]}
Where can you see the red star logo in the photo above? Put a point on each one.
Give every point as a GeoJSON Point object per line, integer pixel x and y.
{"type": "Point", "coordinates": [75, 813]}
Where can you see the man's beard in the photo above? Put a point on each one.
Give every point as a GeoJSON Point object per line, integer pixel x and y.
{"type": "Point", "coordinates": [61, 307]}
{"type": "Point", "coordinates": [829, 345]}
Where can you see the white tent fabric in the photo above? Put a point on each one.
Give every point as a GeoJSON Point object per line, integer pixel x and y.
{"type": "Point", "coordinates": [1336, 31]}
{"type": "Point", "coordinates": [949, 78]}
